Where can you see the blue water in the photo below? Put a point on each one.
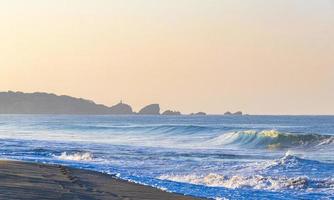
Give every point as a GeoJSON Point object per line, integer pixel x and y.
{"type": "Point", "coordinates": [219, 157]}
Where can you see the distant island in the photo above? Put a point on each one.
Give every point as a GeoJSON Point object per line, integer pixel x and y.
{"type": "Point", "coordinates": [46, 103]}
{"type": "Point", "coordinates": [199, 113]}
{"type": "Point", "coordinates": [171, 112]}
{"type": "Point", "coordinates": [238, 113]}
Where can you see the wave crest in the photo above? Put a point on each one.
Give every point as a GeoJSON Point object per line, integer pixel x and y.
{"type": "Point", "coordinates": [272, 139]}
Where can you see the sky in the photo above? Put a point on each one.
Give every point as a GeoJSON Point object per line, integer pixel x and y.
{"type": "Point", "coordinates": [258, 56]}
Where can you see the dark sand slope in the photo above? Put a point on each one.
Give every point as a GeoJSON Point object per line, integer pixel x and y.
{"type": "Point", "coordinates": [21, 180]}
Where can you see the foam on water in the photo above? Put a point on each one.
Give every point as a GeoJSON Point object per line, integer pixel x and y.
{"type": "Point", "coordinates": [78, 156]}
{"type": "Point", "coordinates": [256, 182]}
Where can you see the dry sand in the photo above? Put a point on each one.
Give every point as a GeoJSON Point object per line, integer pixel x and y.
{"type": "Point", "coordinates": [22, 180]}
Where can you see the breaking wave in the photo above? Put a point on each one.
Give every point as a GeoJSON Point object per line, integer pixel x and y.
{"type": "Point", "coordinates": [77, 156]}
{"type": "Point", "coordinates": [272, 139]}
{"type": "Point", "coordinates": [259, 180]}
{"type": "Point", "coordinates": [256, 182]}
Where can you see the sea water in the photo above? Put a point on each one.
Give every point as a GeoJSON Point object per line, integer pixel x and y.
{"type": "Point", "coordinates": [219, 157]}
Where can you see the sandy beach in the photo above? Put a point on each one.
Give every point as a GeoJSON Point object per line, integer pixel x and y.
{"type": "Point", "coordinates": [23, 180]}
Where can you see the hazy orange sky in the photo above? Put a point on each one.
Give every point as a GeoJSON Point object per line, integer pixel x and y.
{"type": "Point", "coordinates": [258, 56]}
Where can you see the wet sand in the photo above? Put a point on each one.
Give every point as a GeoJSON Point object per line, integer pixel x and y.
{"type": "Point", "coordinates": [22, 180]}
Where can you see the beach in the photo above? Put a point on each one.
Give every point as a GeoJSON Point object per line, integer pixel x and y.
{"type": "Point", "coordinates": [25, 180]}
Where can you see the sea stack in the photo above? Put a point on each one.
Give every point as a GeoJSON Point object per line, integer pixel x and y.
{"type": "Point", "coordinates": [238, 113]}
{"type": "Point", "coordinates": [170, 112]}
{"type": "Point", "coordinates": [152, 109]}
{"type": "Point", "coordinates": [199, 113]}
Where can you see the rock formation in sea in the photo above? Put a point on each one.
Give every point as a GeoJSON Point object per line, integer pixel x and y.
{"type": "Point", "coordinates": [170, 112]}
{"type": "Point", "coordinates": [236, 113]}
{"type": "Point", "coordinates": [199, 113]}
{"type": "Point", "coordinates": [121, 109]}
{"type": "Point", "coordinates": [152, 109]}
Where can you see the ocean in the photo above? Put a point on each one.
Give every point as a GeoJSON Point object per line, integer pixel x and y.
{"type": "Point", "coordinates": [218, 157]}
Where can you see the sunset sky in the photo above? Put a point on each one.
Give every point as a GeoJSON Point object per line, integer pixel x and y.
{"type": "Point", "coordinates": [258, 56]}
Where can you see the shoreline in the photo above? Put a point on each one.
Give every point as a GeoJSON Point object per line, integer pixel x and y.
{"type": "Point", "coordinates": [28, 180]}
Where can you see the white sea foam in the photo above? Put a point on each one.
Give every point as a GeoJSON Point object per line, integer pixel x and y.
{"type": "Point", "coordinates": [233, 182]}
{"type": "Point", "coordinates": [78, 156]}
{"type": "Point", "coordinates": [221, 198]}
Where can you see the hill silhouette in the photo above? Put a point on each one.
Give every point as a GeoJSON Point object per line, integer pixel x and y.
{"type": "Point", "coordinates": [45, 103]}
